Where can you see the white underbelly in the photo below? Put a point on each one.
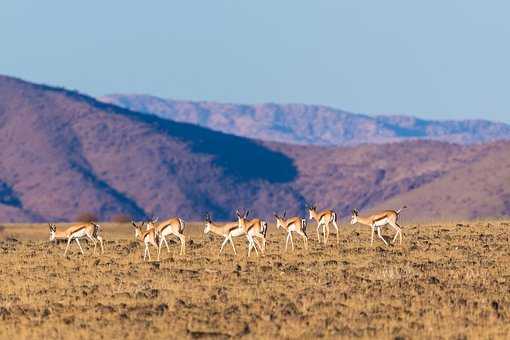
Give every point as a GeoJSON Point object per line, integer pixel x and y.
{"type": "Point", "coordinates": [292, 227]}
{"type": "Point", "coordinates": [80, 234]}
{"type": "Point", "coordinates": [167, 231]}
{"type": "Point", "coordinates": [382, 222]}
{"type": "Point", "coordinates": [237, 232]}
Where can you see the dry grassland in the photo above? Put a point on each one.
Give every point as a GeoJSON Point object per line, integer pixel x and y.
{"type": "Point", "coordinates": [446, 281]}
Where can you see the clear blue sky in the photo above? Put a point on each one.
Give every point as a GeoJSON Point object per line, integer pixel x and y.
{"type": "Point", "coordinates": [434, 59]}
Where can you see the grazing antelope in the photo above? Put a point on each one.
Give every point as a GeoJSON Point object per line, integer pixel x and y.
{"type": "Point", "coordinates": [253, 228]}
{"type": "Point", "coordinates": [147, 237]}
{"type": "Point", "coordinates": [227, 230]}
{"type": "Point", "coordinates": [172, 226]}
{"type": "Point", "coordinates": [290, 225]}
{"type": "Point", "coordinates": [377, 221]}
{"type": "Point", "coordinates": [89, 230]}
{"type": "Point", "coordinates": [324, 218]}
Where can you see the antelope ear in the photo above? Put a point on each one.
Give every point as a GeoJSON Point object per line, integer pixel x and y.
{"type": "Point", "coordinates": [275, 215]}
{"type": "Point", "coordinates": [238, 213]}
{"type": "Point", "coordinates": [134, 224]}
{"type": "Point", "coordinates": [247, 212]}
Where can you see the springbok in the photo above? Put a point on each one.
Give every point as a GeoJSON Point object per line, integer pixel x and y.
{"type": "Point", "coordinates": [89, 230]}
{"type": "Point", "coordinates": [172, 226]}
{"type": "Point", "coordinates": [377, 221]}
{"type": "Point", "coordinates": [293, 224]}
{"type": "Point", "coordinates": [253, 228]}
{"type": "Point", "coordinates": [227, 230]}
{"type": "Point", "coordinates": [147, 237]}
{"type": "Point", "coordinates": [259, 230]}
{"type": "Point", "coordinates": [324, 218]}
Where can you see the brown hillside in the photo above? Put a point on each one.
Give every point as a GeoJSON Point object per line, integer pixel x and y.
{"type": "Point", "coordinates": [63, 154]}
{"type": "Point", "coordinates": [481, 189]}
{"type": "Point", "coordinates": [368, 175]}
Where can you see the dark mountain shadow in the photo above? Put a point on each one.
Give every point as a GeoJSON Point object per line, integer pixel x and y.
{"type": "Point", "coordinates": [242, 158]}
{"type": "Point", "coordinates": [8, 196]}
{"type": "Point", "coordinates": [417, 130]}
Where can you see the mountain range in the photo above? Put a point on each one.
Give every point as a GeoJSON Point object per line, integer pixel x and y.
{"type": "Point", "coordinates": [64, 154]}
{"type": "Point", "coordinates": [311, 124]}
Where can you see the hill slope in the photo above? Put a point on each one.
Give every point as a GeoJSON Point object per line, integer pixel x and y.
{"type": "Point", "coordinates": [63, 153]}
{"type": "Point", "coordinates": [311, 124]}
{"type": "Point", "coordinates": [481, 189]}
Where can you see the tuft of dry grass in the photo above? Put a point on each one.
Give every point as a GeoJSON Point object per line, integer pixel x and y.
{"type": "Point", "coordinates": [446, 281]}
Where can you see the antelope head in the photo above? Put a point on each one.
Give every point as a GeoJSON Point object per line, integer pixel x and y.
{"type": "Point", "coordinates": [207, 224]}
{"type": "Point", "coordinates": [279, 220]}
{"type": "Point", "coordinates": [53, 231]}
{"type": "Point", "coordinates": [312, 210]}
{"type": "Point", "coordinates": [138, 229]}
{"type": "Point", "coordinates": [354, 216]}
{"type": "Point", "coordinates": [242, 218]}
{"type": "Point", "coordinates": [151, 223]}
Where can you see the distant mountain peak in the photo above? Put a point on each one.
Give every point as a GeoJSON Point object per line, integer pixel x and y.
{"type": "Point", "coordinates": [311, 124]}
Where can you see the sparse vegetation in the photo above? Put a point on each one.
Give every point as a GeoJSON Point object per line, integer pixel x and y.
{"type": "Point", "coordinates": [446, 281]}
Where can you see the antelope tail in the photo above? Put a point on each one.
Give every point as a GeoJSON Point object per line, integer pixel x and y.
{"type": "Point", "coordinates": [181, 226]}
{"type": "Point", "coordinates": [303, 226]}
{"type": "Point", "coordinates": [264, 228]}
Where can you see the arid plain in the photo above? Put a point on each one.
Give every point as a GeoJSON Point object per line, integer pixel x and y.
{"type": "Point", "coordinates": [447, 280]}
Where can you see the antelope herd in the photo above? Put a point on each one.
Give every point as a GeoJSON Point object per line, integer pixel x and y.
{"type": "Point", "coordinates": [254, 230]}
